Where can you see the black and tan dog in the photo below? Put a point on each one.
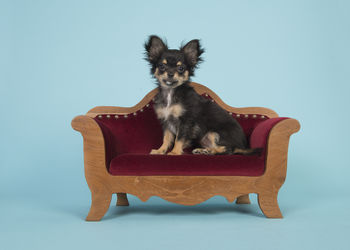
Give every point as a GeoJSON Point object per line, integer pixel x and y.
{"type": "Point", "coordinates": [189, 119]}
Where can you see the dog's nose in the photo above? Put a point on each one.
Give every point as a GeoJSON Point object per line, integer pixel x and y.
{"type": "Point", "coordinates": [170, 74]}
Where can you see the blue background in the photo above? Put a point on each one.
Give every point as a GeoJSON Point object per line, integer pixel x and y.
{"type": "Point", "coordinates": [58, 59]}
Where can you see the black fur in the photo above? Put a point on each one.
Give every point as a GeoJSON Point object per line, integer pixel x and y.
{"type": "Point", "coordinates": [199, 115]}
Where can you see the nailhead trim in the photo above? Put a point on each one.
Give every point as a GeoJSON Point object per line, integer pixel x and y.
{"type": "Point", "coordinates": [147, 105]}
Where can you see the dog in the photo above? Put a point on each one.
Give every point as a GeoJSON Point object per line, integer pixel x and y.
{"type": "Point", "coordinates": [187, 118]}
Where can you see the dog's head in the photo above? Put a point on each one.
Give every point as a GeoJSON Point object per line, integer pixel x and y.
{"type": "Point", "coordinates": [172, 67]}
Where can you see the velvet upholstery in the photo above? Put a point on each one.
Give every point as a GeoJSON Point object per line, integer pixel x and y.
{"type": "Point", "coordinates": [259, 136]}
{"type": "Point", "coordinates": [187, 164]}
{"type": "Point", "coordinates": [130, 138]}
{"type": "Point", "coordinates": [139, 132]}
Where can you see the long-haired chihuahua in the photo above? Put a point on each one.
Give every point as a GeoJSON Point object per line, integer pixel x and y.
{"type": "Point", "coordinates": [188, 119]}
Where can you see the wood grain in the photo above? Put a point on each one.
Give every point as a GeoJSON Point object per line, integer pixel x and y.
{"type": "Point", "coordinates": [186, 190]}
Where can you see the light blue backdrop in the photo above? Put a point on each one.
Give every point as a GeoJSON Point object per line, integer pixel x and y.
{"type": "Point", "coordinates": [60, 58]}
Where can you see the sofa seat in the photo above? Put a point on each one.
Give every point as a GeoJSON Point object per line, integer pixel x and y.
{"type": "Point", "coordinates": [187, 165]}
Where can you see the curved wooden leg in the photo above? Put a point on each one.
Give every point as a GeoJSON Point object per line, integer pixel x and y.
{"type": "Point", "coordinates": [99, 205]}
{"type": "Point", "coordinates": [243, 199]}
{"type": "Point", "coordinates": [122, 199]}
{"type": "Point", "coordinates": [269, 205]}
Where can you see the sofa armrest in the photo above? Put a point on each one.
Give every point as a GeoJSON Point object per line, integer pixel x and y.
{"type": "Point", "coordinates": [94, 146]}
{"type": "Point", "coordinates": [259, 136]}
{"type": "Point", "coordinates": [273, 135]}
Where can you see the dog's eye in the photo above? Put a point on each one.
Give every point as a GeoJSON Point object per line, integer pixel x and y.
{"type": "Point", "coordinates": [161, 67]}
{"type": "Point", "coordinates": [181, 69]}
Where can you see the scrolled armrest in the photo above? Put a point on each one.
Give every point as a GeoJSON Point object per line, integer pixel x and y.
{"type": "Point", "coordinates": [260, 134]}
{"type": "Point", "coordinates": [94, 145]}
{"type": "Point", "coordinates": [273, 135]}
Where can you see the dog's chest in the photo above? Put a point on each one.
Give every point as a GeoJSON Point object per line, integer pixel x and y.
{"type": "Point", "coordinates": [168, 108]}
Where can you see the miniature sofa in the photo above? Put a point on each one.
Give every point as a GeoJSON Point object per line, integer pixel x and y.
{"type": "Point", "coordinates": [118, 140]}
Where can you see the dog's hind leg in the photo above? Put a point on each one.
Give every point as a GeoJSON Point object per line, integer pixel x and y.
{"type": "Point", "coordinates": [201, 151]}
{"type": "Point", "coordinates": [209, 151]}
{"type": "Point", "coordinates": [210, 146]}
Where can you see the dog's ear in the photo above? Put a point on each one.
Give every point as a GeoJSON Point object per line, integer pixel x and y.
{"type": "Point", "coordinates": [192, 51]}
{"type": "Point", "coordinates": [154, 48]}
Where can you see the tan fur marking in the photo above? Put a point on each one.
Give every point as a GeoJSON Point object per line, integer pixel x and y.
{"type": "Point", "coordinates": [210, 139]}
{"type": "Point", "coordinates": [213, 137]}
{"type": "Point", "coordinates": [161, 76]}
{"type": "Point", "coordinates": [168, 140]}
{"type": "Point", "coordinates": [178, 147]}
{"type": "Point", "coordinates": [165, 61]}
{"type": "Point", "coordinates": [179, 63]}
{"type": "Point", "coordinates": [164, 76]}
{"type": "Point", "coordinates": [242, 151]}
{"type": "Point", "coordinates": [218, 150]}
{"type": "Point", "coordinates": [175, 110]}
{"type": "Point", "coordinates": [238, 151]}
{"type": "Point", "coordinates": [181, 78]}
{"type": "Point", "coordinates": [210, 151]}
{"type": "Point", "coordinates": [209, 144]}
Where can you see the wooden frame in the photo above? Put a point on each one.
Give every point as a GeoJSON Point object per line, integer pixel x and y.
{"type": "Point", "coordinates": [171, 188]}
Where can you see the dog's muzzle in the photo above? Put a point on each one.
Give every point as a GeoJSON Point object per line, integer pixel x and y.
{"type": "Point", "coordinates": [170, 82]}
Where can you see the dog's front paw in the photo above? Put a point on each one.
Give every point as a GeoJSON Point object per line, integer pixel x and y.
{"type": "Point", "coordinates": [157, 152]}
{"type": "Point", "coordinates": [200, 151]}
{"type": "Point", "coordinates": [174, 153]}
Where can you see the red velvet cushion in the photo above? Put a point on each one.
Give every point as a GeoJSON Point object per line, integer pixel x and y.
{"type": "Point", "coordinates": [198, 165]}
{"type": "Point", "coordinates": [188, 164]}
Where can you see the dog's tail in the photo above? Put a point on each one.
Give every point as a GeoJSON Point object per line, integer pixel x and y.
{"type": "Point", "coordinates": [248, 151]}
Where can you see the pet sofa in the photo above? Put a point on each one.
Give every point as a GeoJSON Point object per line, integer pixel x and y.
{"type": "Point", "coordinates": [118, 140]}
